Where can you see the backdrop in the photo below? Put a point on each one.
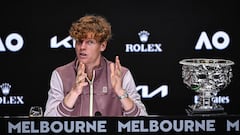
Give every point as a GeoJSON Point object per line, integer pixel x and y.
{"type": "Point", "coordinates": [34, 40]}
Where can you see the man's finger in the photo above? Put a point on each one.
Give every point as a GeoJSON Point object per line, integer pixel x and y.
{"type": "Point", "coordinates": [112, 68]}
{"type": "Point", "coordinates": [81, 78]}
{"type": "Point", "coordinates": [81, 69]}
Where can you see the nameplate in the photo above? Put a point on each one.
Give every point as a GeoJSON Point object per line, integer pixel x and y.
{"type": "Point", "coordinates": [120, 125]}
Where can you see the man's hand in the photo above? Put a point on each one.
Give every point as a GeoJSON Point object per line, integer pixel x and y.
{"type": "Point", "coordinates": [116, 80]}
{"type": "Point", "coordinates": [116, 76]}
{"type": "Point", "coordinates": [80, 79]}
{"type": "Point", "coordinates": [77, 88]}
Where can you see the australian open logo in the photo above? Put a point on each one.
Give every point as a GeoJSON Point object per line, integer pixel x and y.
{"type": "Point", "coordinates": [144, 46]}
{"type": "Point", "coordinates": [6, 99]}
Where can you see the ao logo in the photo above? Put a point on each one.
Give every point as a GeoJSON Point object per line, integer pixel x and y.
{"type": "Point", "coordinates": [220, 40]}
{"type": "Point", "coordinates": [14, 42]}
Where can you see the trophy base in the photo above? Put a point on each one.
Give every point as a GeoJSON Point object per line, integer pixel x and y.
{"type": "Point", "coordinates": [205, 112]}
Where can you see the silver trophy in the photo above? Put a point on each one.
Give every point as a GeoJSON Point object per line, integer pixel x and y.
{"type": "Point", "coordinates": [206, 77]}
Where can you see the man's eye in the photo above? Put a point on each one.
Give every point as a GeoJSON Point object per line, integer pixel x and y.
{"type": "Point", "coordinates": [90, 42]}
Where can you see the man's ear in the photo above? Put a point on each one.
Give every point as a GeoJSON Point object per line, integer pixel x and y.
{"type": "Point", "coordinates": [103, 46]}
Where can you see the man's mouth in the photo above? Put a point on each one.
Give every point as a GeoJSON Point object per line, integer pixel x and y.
{"type": "Point", "coordinates": [83, 54]}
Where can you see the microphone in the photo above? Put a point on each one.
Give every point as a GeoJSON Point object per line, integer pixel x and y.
{"type": "Point", "coordinates": [97, 114]}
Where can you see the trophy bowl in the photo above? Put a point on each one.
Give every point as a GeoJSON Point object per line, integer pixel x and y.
{"type": "Point", "coordinates": [206, 77]}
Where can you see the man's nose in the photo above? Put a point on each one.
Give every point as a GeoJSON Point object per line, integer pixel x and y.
{"type": "Point", "coordinates": [83, 45]}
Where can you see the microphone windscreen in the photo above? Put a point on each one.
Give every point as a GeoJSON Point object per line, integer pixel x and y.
{"type": "Point", "coordinates": [97, 113]}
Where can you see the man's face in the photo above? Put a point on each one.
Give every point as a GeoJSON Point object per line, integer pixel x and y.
{"type": "Point", "coordinates": [89, 50]}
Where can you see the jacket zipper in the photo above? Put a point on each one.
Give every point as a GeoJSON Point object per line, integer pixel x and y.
{"type": "Point", "coordinates": [91, 94]}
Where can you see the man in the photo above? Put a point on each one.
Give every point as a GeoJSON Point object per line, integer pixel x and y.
{"type": "Point", "coordinates": [92, 85]}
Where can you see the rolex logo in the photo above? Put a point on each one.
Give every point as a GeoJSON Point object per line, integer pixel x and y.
{"type": "Point", "coordinates": [5, 87]}
{"type": "Point", "coordinates": [143, 36]}
{"type": "Point", "coordinates": [143, 47]}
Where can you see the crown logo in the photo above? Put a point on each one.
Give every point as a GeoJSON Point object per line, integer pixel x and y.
{"type": "Point", "coordinates": [143, 36]}
{"type": "Point", "coordinates": [5, 88]}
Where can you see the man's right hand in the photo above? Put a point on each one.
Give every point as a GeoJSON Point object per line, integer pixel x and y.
{"type": "Point", "coordinates": [77, 88]}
